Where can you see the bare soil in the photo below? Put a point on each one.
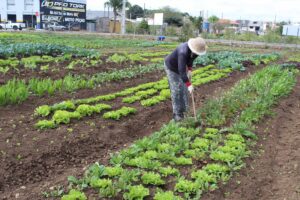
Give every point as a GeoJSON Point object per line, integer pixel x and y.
{"type": "Point", "coordinates": [60, 70]}
{"type": "Point", "coordinates": [33, 161]}
{"type": "Point", "coordinates": [273, 173]}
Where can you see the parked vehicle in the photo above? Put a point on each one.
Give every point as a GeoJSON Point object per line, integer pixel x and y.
{"type": "Point", "coordinates": [11, 25]}
{"type": "Point", "coordinates": [55, 26]}
{"type": "Point", "coordinates": [74, 26]}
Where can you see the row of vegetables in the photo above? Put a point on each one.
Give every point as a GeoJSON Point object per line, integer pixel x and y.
{"type": "Point", "coordinates": [82, 41]}
{"type": "Point", "coordinates": [16, 90]}
{"type": "Point", "coordinates": [46, 62]}
{"type": "Point", "coordinates": [182, 161]}
{"type": "Point", "coordinates": [148, 94]}
{"type": "Point", "coordinates": [21, 50]}
{"type": "Point", "coordinates": [235, 60]}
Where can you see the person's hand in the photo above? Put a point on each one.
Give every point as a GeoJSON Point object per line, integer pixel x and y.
{"type": "Point", "coordinates": [189, 75]}
{"type": "Point", "coordinates": [191, 89]}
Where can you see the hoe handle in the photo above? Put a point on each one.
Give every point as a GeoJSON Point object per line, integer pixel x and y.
{"type": "Point", "coordinates": [194, 107]}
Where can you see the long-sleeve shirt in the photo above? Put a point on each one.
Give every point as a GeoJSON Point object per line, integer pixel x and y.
{"type": "Point", "coordinates": [179, 60]}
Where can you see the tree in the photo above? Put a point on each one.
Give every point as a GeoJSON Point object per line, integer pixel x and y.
{"type": "Point", "coordinates": [197, 22]}
{"type": "Point", "coordinates": [171, 15]}
{"type": "Point", "coordinates": [279, 30]}
{"type": "Point", "coordinates": [213, 19]}
{"type": "Point", "coordinates": [143, 27]}
{"type": "Point", "coordinates": [116, 5]}
{"type": "Point", "coordinates": [135, 12]}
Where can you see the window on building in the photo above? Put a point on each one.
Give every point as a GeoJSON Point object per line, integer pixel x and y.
{"type": "Point", "coordinates": [28, 5]}
{"type": "Point", "coordinates": [11, 4]}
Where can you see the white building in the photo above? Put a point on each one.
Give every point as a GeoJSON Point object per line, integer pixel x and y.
{"type": "Point", "coordinates": [291, 30]}
{"type": "Point", "coordinates": [39, 12]}
{"type": "Point", "coordinates": [258, 27]}
{"type": "Point", "coordinates": [20, 11]}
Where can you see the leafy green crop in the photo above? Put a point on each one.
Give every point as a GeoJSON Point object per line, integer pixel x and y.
{"type": "Point", "coordinates": [234, 60]}
{"type": "Point", "coordinates": [116, 58]}
{"type": "Point", "coordinates": [143, 163]}
{"type": "Point", "coordinates": [166, 196]}
{"type": "Point", "coordinates": [201, 143]}
{"type": "Point", "coordinates": [147, 160]}
{"type": "Point", "coordinates": [65, 105]}
{"type": "Point", "coordinates": [64, 117]}
{"type": "Point", "coordinates": [136, 193]}
{"type": "Point", "coordinates": [100, 183]}
{"type": "Point", "coordinates": [74, 195]}
{"type": "Point", "coordinates": [16, 91]}
{"type": "Point", "coordinates": [183, 161]}
{"type": "Point", "coordinates": [204, 179]}
{"type": "Point", "coordinates": [43, 111]}
{"type": "Point", "coordinates": [116, 115]}
{"type": "Point", "coordinates": [113, 171]}
{"type": "Point", "coordinates": [152, 179]}
{"type": "Point", "coordinates": [222, 156]}
{"type": "Point", "coordinates": [45, 124]}
{"type": "Point", "coordinates": [186, 186]}
{"type": "Point", "coordinates": [167, 171]}
{"type": "Point", "coordinates": [220, 172]}
{"type": "Point", "coordinates": [139, 95]}
{"type": "Point", "coordinates": [26, 49]}
{"type": "Point", "coordinates": [87, 110]}
{"type": "Point", "coordinates": [135, 58]}
{"type": "Point", "coordinates": [164, 95]}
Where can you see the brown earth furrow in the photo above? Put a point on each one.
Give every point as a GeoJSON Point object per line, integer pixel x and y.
{"type": "Point", "coordinates": [62, 152]}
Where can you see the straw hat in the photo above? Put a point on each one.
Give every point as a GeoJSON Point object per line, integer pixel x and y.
{"type": "Point", "coordinates": [197, 46]}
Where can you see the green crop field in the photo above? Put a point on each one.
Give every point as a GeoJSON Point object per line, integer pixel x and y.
{"type": "Point", "coordinates": [90, 117]}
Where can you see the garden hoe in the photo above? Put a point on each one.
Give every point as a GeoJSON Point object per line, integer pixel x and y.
{"type": "Point", "coordinates": [193, 101]}
{"type": "Point", "coordinates": [194, 107]}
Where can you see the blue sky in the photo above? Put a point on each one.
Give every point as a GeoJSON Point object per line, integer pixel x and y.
{"type": "Point", "coordinates": [231, 9]}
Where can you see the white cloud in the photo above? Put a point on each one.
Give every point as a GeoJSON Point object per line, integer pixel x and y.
{"type": "Point", "coordinates": [232, 9]}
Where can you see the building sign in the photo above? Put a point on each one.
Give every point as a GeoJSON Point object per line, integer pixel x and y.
{"type": "Point", "coordinates": [158, 19]}
{"type": "Point", "coordinates": [291, 30]}
{"type": "Point", "coordinates": [65, 12]}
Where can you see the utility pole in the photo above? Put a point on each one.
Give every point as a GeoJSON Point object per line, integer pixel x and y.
{"type": "Point", "coordinates": [32, 17]}
{"type": "Point", "coordinates": [144, 11]}
{"type": "Point", "coordinates": [62, 12]}
{"type": "Point", "coordinates": [123, 25]}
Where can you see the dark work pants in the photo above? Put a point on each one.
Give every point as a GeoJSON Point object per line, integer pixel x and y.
{"type": "Point", "coordinates": [179, 93]}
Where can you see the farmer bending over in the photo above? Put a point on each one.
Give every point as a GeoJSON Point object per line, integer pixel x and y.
{"type": "Point", "coordinates": [178, 66]}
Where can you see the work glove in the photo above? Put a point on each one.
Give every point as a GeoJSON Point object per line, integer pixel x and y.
{"type": "Point", "coordinates": [191, 89]}
{"type": "Point", "coordinates": [189, 75]}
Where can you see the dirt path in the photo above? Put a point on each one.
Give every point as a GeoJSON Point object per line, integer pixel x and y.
{"type": "Point", "coordinates": [253, 43]}
{"type": "Point", "coordinates": [61, 153]}
{"type": "Point", "coordinates": [274, 172]}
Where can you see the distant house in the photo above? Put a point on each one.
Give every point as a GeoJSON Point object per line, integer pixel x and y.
{"type": "Point", "coordinates": [258, 27]}
{"type": "Point", "coordinates": [228, 24]}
